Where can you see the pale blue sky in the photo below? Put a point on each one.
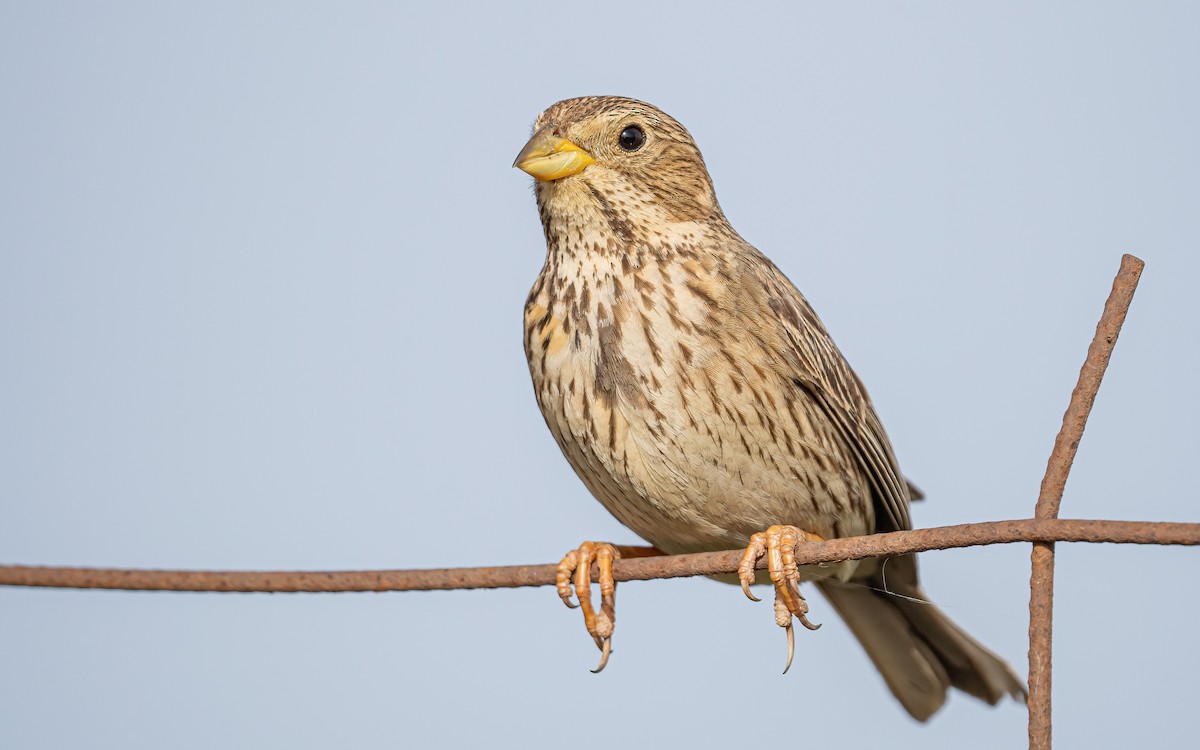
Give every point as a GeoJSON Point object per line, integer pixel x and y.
{"type": "Point", "coordinates": [261, 275]}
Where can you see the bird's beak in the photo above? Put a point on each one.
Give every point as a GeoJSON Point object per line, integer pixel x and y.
{"type": "Point", "coordinates": [548, 157]}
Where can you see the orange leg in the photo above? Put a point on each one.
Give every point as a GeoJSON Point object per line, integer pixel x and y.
{"type": "Point", "coordinates": [778, 543]}
{"type": "Point", "coordinates": [576, 568]}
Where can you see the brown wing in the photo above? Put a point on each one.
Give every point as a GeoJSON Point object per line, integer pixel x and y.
{"type": "Point", "coordinates": [822, 371]}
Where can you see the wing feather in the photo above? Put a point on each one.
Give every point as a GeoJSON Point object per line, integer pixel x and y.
{"type": "Point", "coordinates": [822, 371]}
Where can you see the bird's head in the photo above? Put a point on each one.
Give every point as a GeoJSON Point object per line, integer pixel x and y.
{"type": "Point", "coordinates": [620, 158]}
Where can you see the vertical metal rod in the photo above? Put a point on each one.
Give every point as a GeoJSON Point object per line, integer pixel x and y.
{"type": "Point", "coordinates": [1041, 581]}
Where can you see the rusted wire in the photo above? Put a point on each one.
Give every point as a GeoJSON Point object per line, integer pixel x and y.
{"type": "Point", "coordinates": [636, 569]}
{"type": "Point", "coordinates": [1041, 580]}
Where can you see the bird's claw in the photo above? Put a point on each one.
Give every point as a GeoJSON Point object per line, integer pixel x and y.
{"type": "Point", "coordinates": [576, 570]}
{"type": "Point", "coordinates": [746, 568]}
{"type": "Point", "coordinates": [778, 544]}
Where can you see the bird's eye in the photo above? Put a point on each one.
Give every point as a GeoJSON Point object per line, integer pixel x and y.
{"type": "Point", "coordinates": [632, 138]}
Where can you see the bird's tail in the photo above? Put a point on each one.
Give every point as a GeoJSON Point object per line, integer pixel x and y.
{"type": "Point", "coordinates": [919, 651]}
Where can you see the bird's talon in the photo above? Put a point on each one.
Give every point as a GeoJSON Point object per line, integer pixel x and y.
{"type": "Point", "coordinates": [605, 651]}
{"type": "Point", "coordinates": [746, 589]}
{"type": "Point", "coordinates": [576, 570]}
{"type": "Point", "coordinates": [562, 578]}
{"type": "Point", "coordinates": [778, 544]}
{"type": "Point", "coordinates": [791, 639]}
{"type": "Point", "coordinates": [754, 550]}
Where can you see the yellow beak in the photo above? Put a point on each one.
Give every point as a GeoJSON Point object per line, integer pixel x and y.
{"type": "Point", "coordinates": [548, 157]}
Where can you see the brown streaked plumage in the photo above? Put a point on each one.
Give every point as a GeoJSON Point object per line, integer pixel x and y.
{"type": "Point", "coordinates": [701, 400]}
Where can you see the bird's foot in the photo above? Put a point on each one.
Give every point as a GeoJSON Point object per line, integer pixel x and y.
{"type": "Point", "coordinates": [778, 543]}
{"type": "Point", "coordinates": [576, 570]}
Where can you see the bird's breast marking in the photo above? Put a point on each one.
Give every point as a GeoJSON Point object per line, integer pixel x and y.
{"type": "Point", "coordinates": [548, 328]}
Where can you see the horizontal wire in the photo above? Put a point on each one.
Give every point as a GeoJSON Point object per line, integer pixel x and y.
{"type": "Point", "coordinates": [634, 569]}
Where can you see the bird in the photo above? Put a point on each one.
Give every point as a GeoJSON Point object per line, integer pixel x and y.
{"type": "Point", "coordinates": [701, 400]}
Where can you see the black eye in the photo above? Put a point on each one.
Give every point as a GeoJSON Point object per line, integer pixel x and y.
{"type": "Point", "coordinates": [632, 138]}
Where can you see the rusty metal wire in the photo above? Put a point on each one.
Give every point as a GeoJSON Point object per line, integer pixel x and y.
{"type": "Point", "coordinates": [1041, 578]}
{"type": "Point", "coordinates": [636, 569]}
{"type": "Point", "coordinates": [1043, 532]}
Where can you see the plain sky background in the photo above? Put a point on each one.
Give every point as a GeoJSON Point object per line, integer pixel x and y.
{"type": "Point", "coordinates": [262, 268]}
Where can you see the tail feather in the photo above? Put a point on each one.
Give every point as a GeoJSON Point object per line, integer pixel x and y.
{"type": "Point", "coordinates": [919, 651]}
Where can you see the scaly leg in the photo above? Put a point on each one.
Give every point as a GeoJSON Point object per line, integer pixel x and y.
{"type": "Point", "coordinates": [778, 543]}
{"type": "Point", "coordinates": [576, 568]}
